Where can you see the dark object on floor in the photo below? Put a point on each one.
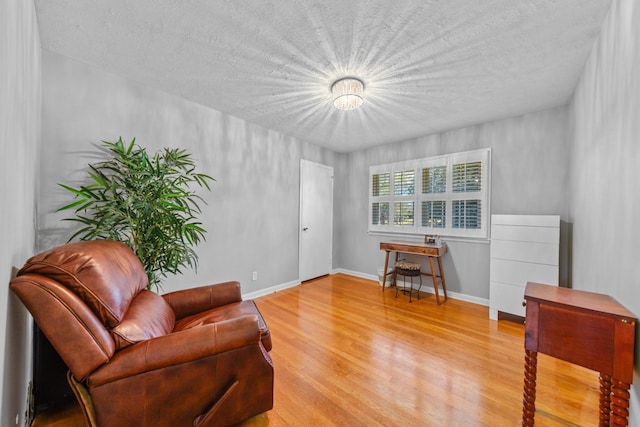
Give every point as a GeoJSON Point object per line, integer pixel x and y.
{"type": "Point", "coordinates": [193, 357]}
{"type": "Point", "coordinates": [50, 387]}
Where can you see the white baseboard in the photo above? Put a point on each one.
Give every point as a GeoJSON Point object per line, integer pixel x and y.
{"type": "Point", "coordinates": [450, 294]}
{"type": "Point", "coordinates": [271, 290]}
{"type": "Point", "coordinates": [356, 274]}
{"type": "Point", "coordinates": [468, 298]}
{"type": "Point", "coordinates": [373, 277]}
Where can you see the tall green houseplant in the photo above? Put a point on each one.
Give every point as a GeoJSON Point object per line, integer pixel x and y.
{"type": "Point", "coordinates": [146, 202]}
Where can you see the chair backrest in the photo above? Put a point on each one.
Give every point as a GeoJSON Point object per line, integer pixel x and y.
{"type": "Point", "coordinates": [79, 292]}
{"type": "Point", "coordinates": [105, 274]}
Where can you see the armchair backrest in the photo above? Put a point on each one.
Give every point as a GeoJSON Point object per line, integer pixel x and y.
{"type": "Point", "coordinates": [79, 292]}
{"type": "Point", "coordinates": [105, 274]}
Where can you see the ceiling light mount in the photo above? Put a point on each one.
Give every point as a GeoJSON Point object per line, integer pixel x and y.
{"type": "Point", "coordinates": [347, 93]}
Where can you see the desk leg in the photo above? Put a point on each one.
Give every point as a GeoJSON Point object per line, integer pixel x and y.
{"type": "Point", "coordinates": [444, 284]}
{"type": "Point", "coordinates": [384, 275]}
{"type": "Point", "coordinates": [605, 400]}
{"type": "Point", "coordinates": [435, 279]}
{"type": "Point", "coordinates": [619, 403]}
{"type": "Point", "coordinates": [529, 395]}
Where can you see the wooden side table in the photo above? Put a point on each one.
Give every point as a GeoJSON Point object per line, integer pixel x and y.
{"type": "Point", "coordinates": [584, 328]}
{"type": "Point", "coordinates": [426, 249]}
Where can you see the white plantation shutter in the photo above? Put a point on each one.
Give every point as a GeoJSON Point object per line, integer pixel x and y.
{"type": "Point", "coordinates": [466, 214]}
{"type": "Point", "coordinates": [434, 180]}
{"type": "Point", "coordinates": [446, 195]}
{"type": "Point", "coordinates": [434, 214]}
{"type": "Point", "coordinates": [381, 184]}
{"type": "Point", "coordinates": [380, 213]}
{"type": "Point", "coordinates": [404, 183]}
{"type": "Point", "coordinates": [467, 177]}
{"type": "Point", "coordinates": [380, 191]}
{"type": "Point", "coordinates": [403, 213]}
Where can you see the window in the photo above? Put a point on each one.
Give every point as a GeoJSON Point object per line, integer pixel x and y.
{"type": "Point", "coordinates": [467, 177]}
{"type": "Point", "coordinates": [404, 183]}
{"type": "Point", "coordinates": [446, 195]}
{"type": "Point", "coordinates": [403, 213]}
{"type": "Point", "coordinates": [466, 214]}
{"type": "Point", "coordinates": [380, 214]}
{"type": "Point", "coordinates": [434, 214]}
{"type": "Point", "coordinates": [434, 180]}
{"type": "Point", "coordinates": [381, 184]}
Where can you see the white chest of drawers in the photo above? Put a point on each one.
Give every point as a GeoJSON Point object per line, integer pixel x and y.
{"type": "Point", "coordinates": [524, 248]}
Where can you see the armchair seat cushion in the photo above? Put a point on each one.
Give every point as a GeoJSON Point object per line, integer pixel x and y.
{"type": "Point", "coordinates": [229, 311]}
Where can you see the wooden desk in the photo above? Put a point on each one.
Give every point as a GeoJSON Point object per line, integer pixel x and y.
{"type": "Point", "coordinates": [430, 251]}
{"type": "Point", "coordinates": [584, 328]}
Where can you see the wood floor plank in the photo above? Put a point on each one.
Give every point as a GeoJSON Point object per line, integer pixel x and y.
{"type": "Point", "coordinates": [346, 353]}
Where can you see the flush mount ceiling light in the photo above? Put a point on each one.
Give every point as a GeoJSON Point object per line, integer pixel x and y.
{"type": "Point", "coordinates": [347, 93]}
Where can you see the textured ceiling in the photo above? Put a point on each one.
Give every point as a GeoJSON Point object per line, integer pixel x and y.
{"type": "Point", "coordinates": [427, 65]}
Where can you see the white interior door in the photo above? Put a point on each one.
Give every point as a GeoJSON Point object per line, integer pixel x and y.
{"type": "Point", "coordinates": [316, 219]}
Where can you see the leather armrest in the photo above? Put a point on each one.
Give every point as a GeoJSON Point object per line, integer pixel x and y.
{"type": "Point", "coordinates": [178, 348]}
{"type": "Point", "coordinates": [196, 300]}
{"type": "Point", "coordinates": [76, 333]}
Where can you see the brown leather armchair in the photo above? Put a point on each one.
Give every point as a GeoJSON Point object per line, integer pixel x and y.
{"type": "Point", "coordinates": [193, 357]}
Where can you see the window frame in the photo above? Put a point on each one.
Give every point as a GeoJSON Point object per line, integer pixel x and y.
{"type": "Point", "coordinates": [448, 197]}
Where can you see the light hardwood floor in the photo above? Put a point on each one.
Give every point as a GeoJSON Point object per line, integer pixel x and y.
{"type": "Point", "coordinates": [348, 354]}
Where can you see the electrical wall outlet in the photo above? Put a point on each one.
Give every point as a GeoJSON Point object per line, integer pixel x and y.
{"type": "Point", "coordinates": [254, 275]}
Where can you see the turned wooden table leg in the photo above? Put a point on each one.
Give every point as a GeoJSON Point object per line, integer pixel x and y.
{"type": "Point", "coordinates": [529, 395]}
{"type": "Point", "coordinates": [619, 403]}
{"type": "Point", "coordinates": [605, 400]}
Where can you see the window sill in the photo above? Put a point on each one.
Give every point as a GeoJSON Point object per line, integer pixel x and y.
{"type": "Point", "coordinates": [420, 237]}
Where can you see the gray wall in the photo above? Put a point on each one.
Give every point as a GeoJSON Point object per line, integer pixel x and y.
{"type": "Point", "coordinates": [605, 158]}
{"type": "Point", "coordinates": [19, 143]}
{"type": "Point", "coordinates": [252, 212]}
{"type": "Point", "coordinates": [252, 216]}
{"type": "Point", "coordinates": [529, 173]}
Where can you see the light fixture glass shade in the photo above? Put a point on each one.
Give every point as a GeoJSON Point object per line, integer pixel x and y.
{"type": "Point", "coordinates": [347, 94]}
